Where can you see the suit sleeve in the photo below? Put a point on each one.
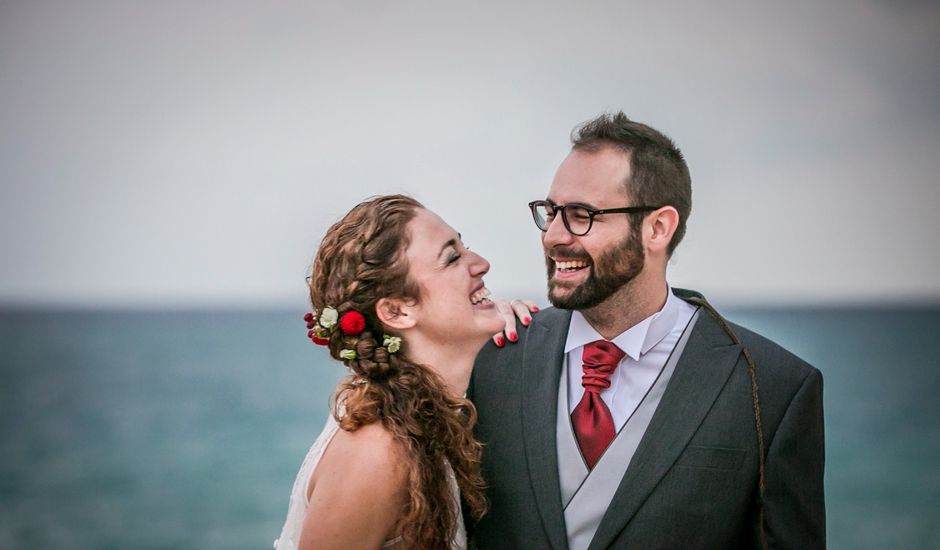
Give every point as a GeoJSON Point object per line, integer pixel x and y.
{"type": "Point", "coordinates": [794, 503]}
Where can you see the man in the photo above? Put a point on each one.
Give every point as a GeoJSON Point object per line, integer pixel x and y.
{"type": "Point", "coordinates": [631, 415]}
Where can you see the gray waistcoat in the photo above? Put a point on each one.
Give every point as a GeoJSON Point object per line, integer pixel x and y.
{"type": "Point", "coordinates": [586, 495]}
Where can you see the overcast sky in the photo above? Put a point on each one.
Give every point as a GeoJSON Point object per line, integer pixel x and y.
{"type": "Point", "coordinates": [194, 153]}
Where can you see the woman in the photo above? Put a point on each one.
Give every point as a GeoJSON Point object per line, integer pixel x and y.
{"type": "Point", "coordinates": [401, 301]}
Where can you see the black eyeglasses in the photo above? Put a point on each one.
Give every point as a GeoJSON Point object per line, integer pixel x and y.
{"type": "Point", "coordinates": [578, 218]}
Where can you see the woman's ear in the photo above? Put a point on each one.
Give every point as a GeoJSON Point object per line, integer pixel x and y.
{"type": "Point", "coordinates": [395, 313]}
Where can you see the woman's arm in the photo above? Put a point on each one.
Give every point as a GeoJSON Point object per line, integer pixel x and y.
{"type": "Point", "coordinates": [357, 493]}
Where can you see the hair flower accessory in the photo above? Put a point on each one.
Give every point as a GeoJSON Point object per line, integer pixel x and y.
{"type": "Point", "coordinates": [320, 339]}
{"type": "Point", "coordinates": [391, 343]}
{"type": "Point", "coordinates": [352, 323]}
{"type": "Point", "coordinates": [328, 317]}
{"type": "Point", "coordinates": [316, 333]}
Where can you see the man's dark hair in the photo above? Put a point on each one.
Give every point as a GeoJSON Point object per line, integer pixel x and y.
{"type": "Point", "coordinates": [659, 175]}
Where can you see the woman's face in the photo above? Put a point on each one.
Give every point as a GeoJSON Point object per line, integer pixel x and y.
{"type": "Point", "coordinates": [453, 303]}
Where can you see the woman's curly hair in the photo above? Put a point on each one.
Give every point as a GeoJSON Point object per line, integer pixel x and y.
{"type": "Point", "coordinates": [361, 260]}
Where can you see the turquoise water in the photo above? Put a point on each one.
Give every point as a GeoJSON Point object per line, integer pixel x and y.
{"type": "Point", "coordinates": [172, 430]}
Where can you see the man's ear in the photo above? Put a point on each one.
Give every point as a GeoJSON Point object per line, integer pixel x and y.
{"type": "Point", "coordinates": [395, 313]}
{"type": "Point", "coordinates": [661, 226]}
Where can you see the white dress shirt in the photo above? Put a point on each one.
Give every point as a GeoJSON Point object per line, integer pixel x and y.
{"type": "Point", "coordinates": [647, 346]}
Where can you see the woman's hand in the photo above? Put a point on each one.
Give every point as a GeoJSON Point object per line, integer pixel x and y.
{"type": "Point", "coordinates": [509, 310]}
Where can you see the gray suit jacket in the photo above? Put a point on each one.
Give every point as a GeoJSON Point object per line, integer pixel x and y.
{"type": "Point", "coordinates": [693, 480]}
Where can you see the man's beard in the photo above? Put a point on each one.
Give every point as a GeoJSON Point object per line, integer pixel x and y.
{"type": "Point", "coordinates": [608, 274]}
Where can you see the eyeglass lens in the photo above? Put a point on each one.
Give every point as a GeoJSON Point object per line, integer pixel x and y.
{"type": "Point", "coordinates": [577, 219]}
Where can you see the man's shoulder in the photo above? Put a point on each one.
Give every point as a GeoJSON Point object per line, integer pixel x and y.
{"type": "Point", "coordinates": [498, 364]}
{"type": "Point", "coordinates": [773, 361]}
{"type": "Point", "coordinates": [777, 367]}
{"type": "Point", "coordinates": [545, 321]}
{"type": "Point", "coordinates": [550, 316]}
{"type": "Point", "coordinates": [758, 343]}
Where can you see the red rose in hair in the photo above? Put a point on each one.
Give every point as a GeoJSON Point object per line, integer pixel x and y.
{"type": "Point", "coordinates": [352, 323]}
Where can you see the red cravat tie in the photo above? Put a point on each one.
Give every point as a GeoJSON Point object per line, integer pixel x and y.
{"type": "Point", "coordinates": [593, 424]}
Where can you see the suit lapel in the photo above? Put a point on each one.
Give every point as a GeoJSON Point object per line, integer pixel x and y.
{"type": "Point", "coordinates": [541, 364]}
{"type": "Point", "coordinates": [702, 371]}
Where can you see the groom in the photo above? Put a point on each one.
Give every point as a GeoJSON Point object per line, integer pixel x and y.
{"type": "Point", "coordinates": [631, 415]}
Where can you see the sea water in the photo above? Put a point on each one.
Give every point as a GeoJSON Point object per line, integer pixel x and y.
{"type": "Point", "coordinates": [125, 429]}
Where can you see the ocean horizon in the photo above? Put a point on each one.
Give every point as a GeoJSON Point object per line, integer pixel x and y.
{"type": "Point", "coordinates": [185, 429]}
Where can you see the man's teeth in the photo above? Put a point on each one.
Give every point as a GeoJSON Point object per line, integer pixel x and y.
{"type": "Point", "coordinates": [570, 266]}
{"type": "Point", "coordinates": [479, 296]}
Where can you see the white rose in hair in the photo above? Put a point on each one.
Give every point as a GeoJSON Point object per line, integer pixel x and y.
{"type": "Point", "coordinates": [328, 317]}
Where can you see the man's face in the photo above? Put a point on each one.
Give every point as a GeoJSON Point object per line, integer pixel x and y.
{"type": "Point", "coordinates": [584, 271]}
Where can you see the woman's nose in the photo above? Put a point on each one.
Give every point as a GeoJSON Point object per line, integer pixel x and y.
{"type": "Point", "coordinates": [479, 266]}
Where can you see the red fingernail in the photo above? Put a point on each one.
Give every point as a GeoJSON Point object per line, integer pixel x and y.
{"type": "Point", "coordinates": [513, 336]}
{"type": "Point", "coordinates": [526, 321]}
{"type": "Point", "coordinates": [500, 342]}
{"type": "Point", "coordinates": [534, 309]}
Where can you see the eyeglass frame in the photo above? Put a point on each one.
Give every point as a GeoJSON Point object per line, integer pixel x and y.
{"type": "Point", "coordinates": [591, 213]}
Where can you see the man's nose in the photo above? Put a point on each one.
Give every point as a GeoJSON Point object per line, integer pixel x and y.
{"type": "Point", "coordinates": [556, 233]}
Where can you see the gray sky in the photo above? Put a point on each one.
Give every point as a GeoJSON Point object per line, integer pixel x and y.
{"type": "Point", "coordinates": [194, 153]}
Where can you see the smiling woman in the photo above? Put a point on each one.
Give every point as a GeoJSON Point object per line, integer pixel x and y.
{"type": "Point", "coordinates": [401, 301]}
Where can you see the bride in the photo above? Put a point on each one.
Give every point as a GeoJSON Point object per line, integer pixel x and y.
{"type": "Point", "coordinates": [401, 301]}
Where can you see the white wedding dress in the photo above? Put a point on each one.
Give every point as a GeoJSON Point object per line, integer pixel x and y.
{"type": "Point", "coordinates": [290, 533]}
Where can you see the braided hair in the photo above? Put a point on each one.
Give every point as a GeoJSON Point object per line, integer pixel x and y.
{"type": "Point", "coordinates": [361, 260]}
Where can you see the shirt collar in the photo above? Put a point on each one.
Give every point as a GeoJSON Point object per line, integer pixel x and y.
{"type": "Point", "coordinates": [635, 341]}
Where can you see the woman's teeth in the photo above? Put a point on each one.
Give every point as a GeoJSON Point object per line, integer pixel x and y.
{"type": "Point", "coordinates": [567, 267]}
{"type": "Point", "coordinates": [479, 296]}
